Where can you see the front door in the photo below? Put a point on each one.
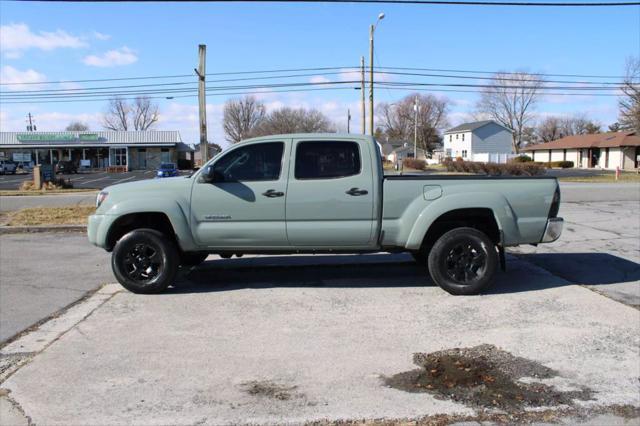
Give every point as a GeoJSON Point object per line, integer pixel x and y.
{"type": "Point", "coordinates": [244, 206]}
{"type": "Point", "coordinates": [330, 195]}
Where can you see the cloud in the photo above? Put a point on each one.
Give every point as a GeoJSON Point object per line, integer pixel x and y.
{"type": "Point", "coordinates": [18, 78]}
{"type": "Point", "coordinates": [316, 79]}
{"type": "Point", "coordinates": [101, 36]}
{"type": "Point", "coordinates": [16, 38]}
{"type": "Point", "coordinates": [112, 58]}
{"type": "Point", "coordinates": [14, 120]}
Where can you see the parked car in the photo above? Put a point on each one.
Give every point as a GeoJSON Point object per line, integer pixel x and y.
{"type": "Point", "coordinates": [66, 167]}
{"type": "Point", "coordinates": [167, 170]}
{"type": "Point", "coordinates": [8, 166]}
{"type": "Point", "coordinates": [336, 199]}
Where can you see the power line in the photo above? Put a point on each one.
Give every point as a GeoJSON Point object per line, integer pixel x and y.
{"type": "Point", "coordinates": [346, 69]}
{"type": "Point", "coordinates": [151, 77]}
{"type": "Point", "coordinates": [192, 96]}
{"type": "Point", "coordinates": [417, 2]}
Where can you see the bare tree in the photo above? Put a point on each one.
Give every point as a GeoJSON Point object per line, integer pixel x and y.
{"type": "Point", "coordinates": [76, 126]}
{"type": "Point", "coordinates": [556, 127]}
{"type": "Point", "coordinates": [121, 115]}
{"type": "Point", "coordinates": [145, 113]}
{"type": "Point", "coordinates": [289, 120]}
{"type": "Point", "coordinates": [242, 117]}
{"type": "Point", "coordinates": [629, 104]}
{"type": "Point", "coordinates": [510, 100]}
{"type": "Point", "coordinates": [116, 117]}
{"type": "Point", "coordinates": [399, 119]}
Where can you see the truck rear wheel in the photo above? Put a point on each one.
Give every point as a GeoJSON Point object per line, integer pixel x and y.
{"type": "Point", "coordinates": [463, 261]}
{"type": "Point", "coordinates": [145, 261]}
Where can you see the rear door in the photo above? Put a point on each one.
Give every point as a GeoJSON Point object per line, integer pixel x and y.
{"type": "Point", "coordinates": [330, 194]}
{"type": "Point", "coordinates": [245, 206]}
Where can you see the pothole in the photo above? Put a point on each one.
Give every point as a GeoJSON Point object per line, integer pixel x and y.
{"type": "Point", "coordinates": [485, 377]}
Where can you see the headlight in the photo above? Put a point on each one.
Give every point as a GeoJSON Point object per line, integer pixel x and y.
{"type": "Point", "coordinates": [102, 195]}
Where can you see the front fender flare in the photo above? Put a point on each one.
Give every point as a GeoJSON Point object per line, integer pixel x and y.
{"type": "Point", "coordinates": [178, 217]}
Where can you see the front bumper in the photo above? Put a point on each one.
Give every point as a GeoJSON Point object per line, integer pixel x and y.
{"type": "Point", "coordinates": [553, 229]}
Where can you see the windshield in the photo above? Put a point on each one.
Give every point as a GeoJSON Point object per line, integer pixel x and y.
{"type": "Point", "coordinates": [167, 166]}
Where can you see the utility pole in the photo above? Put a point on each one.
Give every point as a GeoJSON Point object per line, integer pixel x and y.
{"type": "Point", "coordinates": [348, 121]}
{"type": "Point", "coordinates": [415, 129]}
{"type": "Point", "coordinates": [30, 127]}
{"type": "Point", "coordinates": [371, 30]}
{"type": "Point", "coordinates": [202, 102]}
{"type": "Point", "coordinates": [362, 88]}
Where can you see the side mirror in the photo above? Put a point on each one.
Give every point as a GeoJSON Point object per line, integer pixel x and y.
{"type": "Point", "coordinates": [210, 175]}
{"type": "Point", "coordinates": [207, 175]}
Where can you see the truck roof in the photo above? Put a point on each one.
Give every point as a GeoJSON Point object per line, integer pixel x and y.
{"type": "Point", "coordinates": [315, 136]}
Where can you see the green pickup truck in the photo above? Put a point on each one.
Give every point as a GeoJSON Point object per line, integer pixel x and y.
{"type": "Point", "coordinates": [320, 193]}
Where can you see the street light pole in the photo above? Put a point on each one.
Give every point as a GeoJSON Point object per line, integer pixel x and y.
{"type": "Point", "coordinates": [348, 121]}
{"type": "Point", "coordinates": [362, 89]}
{"type": "Point", "coordinates": [415, 129]}
{"type": "Point", "coordinates": [372, 29]}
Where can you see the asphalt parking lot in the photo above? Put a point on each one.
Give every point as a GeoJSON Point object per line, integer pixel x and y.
{"type": "Point", "coordinates": [83, 180]}
{"type": "Point", "coordinates": [295, 339]}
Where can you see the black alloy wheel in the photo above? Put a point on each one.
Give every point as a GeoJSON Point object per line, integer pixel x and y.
{"type": "Point", "coordinates": [463, 261]}
{"type": "Point", "coordinates": [145, 261]}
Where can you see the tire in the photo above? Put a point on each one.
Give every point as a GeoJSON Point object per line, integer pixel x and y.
{"type": "Point", "coordinates": [463, 261]}
{"type": "Point", "coordinates": [193, 258]}
{"type": "Point", "coordinates": [140, 249]}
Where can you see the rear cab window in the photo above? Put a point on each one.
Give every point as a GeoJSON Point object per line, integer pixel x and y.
{"type": "Point", "coordinates": [327, 159]}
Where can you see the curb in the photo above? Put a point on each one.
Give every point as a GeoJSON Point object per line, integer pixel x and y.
{"type": "Point", "coordinates": [34, 229]}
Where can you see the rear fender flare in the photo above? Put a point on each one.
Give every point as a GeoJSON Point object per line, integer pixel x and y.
{"type": "Point", "coordinates": [497, 203]}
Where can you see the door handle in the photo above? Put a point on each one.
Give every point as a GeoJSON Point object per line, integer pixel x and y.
{"type": "Point", "coordinates": [272, 193]}
{"type": "Point", "coordinates": [356, 192]}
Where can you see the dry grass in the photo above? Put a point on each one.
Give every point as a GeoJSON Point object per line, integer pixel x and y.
{"type": "Point", "coordinates": [76, 215]}
{"type": "Point", "coordinates": [604, 178]}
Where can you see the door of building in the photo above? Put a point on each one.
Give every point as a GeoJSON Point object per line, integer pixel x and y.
{"type": "Point", "coordinates": [142, 158]}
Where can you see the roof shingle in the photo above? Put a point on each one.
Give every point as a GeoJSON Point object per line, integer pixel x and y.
{"type": "Point", "coordinates": [598, 140]}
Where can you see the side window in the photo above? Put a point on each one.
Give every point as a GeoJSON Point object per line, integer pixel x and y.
{"type": "Point", "coordinates": [326, 160]}
{"type": "Point", "coordinates": [251, 163]}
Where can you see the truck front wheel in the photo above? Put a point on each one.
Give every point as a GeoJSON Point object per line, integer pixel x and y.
{"type": "Point", "coordinates": [463, 261]}
{"type": "Point", "coordinates": [145, 261]}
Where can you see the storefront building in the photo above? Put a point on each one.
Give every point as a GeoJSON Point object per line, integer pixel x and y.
{"type": "Point", "coordinates": [117, 150]}
{"type": "Point", "coordinates": [601, 150]}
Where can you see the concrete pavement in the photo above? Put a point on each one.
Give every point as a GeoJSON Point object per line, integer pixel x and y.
{"type": "Point", "coordinates": [197, 355]}
{"type": "Point", "coordinates": [43, 273]}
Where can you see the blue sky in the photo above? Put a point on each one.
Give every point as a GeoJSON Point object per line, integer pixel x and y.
{"type": "Point", "coordinates": [50, 42]}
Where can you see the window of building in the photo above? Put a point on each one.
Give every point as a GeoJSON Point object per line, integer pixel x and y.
{"type": "Point", "coordinates": [457, 135]}
{"type": "Point", "coordinates": [165, 155]}
{"type": "Point", "coordinates": [463, 136]}
{"type": "Point", "coordinates": [450, 138]}
{"type": "Point", "coordinates": [448, 154]}
{"type": "Point", "coordinates": [464, 153]}
{"type": "Point", "coordinates": [251, 163]}
{"type": "Point", "coordinates": [327, 160]}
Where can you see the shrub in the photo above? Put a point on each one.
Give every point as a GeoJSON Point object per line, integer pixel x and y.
{"type": "Point", "coordinates": [414, 163]}
{"type": "Point", "coordinates": [561, 164]}
{"type": "Point", "coordinates": [495, 169]}
{"type": "Point", "coordinates": [521, 159]}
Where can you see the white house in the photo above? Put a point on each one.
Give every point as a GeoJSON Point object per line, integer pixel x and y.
{"type": "Point", "coordinates": [601, 150]}
{"type": "Point", "coordinates": [485, 141]}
